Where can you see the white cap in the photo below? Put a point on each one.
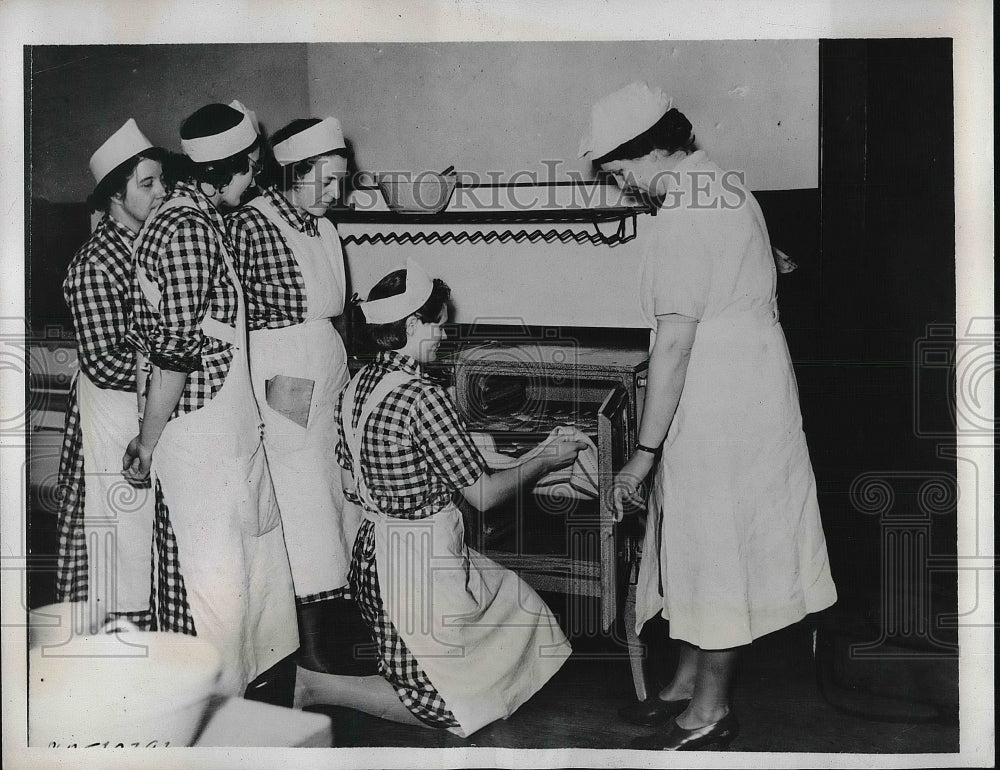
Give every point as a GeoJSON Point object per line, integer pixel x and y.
{"type": "Point", "coordinates": [204, 149]}
{"type": "Point", "coordinates": [236, 104]}
{"type": "Point", "coordinates": [622, 116]}
{"type": "Point", "coordinates": [125, 143]}
{"type": "Point", "coordinates": [418, 289]}
{"type": "Point", "coordinates": [326, 136]}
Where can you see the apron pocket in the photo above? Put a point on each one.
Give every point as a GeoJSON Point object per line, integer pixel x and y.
{"type": "Point", "coordinates": [291, 397]}
{"type": "Point", "coordinates": [286, 411]}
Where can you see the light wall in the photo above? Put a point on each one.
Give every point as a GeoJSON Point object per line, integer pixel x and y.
{"type": "Point", "coordinates": [506, 107]}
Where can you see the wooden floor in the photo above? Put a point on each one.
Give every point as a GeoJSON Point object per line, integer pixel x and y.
{"type": "Point", "coordinates": [777, 700]}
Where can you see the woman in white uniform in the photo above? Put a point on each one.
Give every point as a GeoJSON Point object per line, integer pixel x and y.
{"type": "Point", "coordinates": [290, 263]}
{"type": "Point", "coordinates": [734, 545]}
{"type": "Point", "coordinates": [200, 431]}
{"type": "Point", "coordinates": [461, 640]}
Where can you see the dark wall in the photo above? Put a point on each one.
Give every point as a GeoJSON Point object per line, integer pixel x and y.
{"type": "Point", "coordinates": [884, 294]}
{"type": "Point", "coordinates": [55, 231]}
{"type": "Point", "coordinates": [79, 95]}
{"type": "Point", "coordinates": [793, 223]}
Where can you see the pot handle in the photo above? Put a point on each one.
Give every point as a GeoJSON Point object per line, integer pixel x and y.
{"type": "Point", "coordinates": [116, 625]}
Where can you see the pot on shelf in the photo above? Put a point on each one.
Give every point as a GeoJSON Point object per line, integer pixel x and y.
{"type": "Point", "coordinates": [424, 193]}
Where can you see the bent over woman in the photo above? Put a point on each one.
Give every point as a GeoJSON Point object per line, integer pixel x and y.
{"type": "Point", "coordinates": [734, 545]}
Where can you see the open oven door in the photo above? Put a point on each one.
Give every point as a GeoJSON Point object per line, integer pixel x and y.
{"type": "Point", "coordinates": [612, 449]}
{"type": "Point", "coordinates": [621, 542]}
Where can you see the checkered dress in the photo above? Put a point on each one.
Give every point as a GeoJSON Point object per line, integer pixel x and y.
{"type": "Point", "coordinates": [71, 557]}
{"type": "Point", "coordinates": [396, 663]}
{"type": "Point", "coordinates": [168, 605]}
{"type": "Point", "coordinates": [168, 596]}
{"type": "Point", "coordinates": [416, 453]}
{"type": "Point", "coordinates": [272, 282]}
{"type": "Point", "coordinates": [416, 448]}
{"type": "Point", "coordinates": [97, 292]}
{"type": "Point", "coordinates": [178, 251]}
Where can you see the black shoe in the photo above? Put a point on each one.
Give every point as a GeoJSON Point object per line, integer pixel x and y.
{"type": "Point", "coordinates": [718, 734]}
{"type": "Point", "coordinates": [653, 711]}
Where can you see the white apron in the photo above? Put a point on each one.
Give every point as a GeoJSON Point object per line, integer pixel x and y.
{"type": "Point", "coordinates": [485, 639]}
{"type": "Point", "coordinates": [303, 464]}
{"type": "Point", "coordinates": [118, 517]}
{"type": "Point", "coordinates": [229, 538]}
{"type": "Point", "coordinates": [734, 547]}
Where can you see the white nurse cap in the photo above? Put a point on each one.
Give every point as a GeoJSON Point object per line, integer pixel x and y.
{"type": "Point", "coordinates": [622, 116]}
{"type": "Point", "coordinates": [236, 104]}
{"type": "Point", "coordinates": [418, 290]}
{"type": "Point", "coordinates": [204, 149]}
{"type": "Point", "coordinates": [125, 143]}
{"type": "Point", "coordinates": [323, 137]}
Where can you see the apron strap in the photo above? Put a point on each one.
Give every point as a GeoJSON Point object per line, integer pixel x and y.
{"type": "Point", "coordinates": [386, 385]}
{"type": "Point", "coordinates": [211, 327]}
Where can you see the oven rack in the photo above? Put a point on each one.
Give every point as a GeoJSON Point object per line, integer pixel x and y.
{"type": "Point", "coordinates": [552, 573]}
{"type": "Point", "coordinates": [518, 432]}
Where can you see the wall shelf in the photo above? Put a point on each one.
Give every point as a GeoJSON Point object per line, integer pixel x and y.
{"type": "Point", "coordinates": [611, 225]}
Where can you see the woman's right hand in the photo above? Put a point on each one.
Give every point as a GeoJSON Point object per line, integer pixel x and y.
{"type": "Point", "coordinates": [562, 452]}
{"type": "Point", "coordinates": [136, 461]}
{"type": "Point", "coordinates": [626, 490]}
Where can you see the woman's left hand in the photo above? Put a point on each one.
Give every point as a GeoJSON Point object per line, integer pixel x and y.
{"type": "Point", "coordinates": [626, 490]}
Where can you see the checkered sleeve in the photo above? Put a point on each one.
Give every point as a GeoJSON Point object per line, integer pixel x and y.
{"type": "Point", "coordinates": [185, 286]}
{"type": "Point", "coordinates": [241, 241]}
{"type": "Point", "coordinates": [444, 439]}
{"type": "Point", "coordinates": [269, 272]}
{"type": "Point", "coordinates": [98, 303]}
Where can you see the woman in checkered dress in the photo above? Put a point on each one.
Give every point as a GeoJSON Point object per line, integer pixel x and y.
{"type": "Point", "coordinates": [200, 430]}
{"type": "Point", "coordinates": [290, 263]}
{"type": "Point", "coordinates": [95, 502]}
{"type": "Point", "coordinates": [461, 640]}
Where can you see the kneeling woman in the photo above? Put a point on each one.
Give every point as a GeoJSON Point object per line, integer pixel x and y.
{"type": "Point", "coordinates": [462, 641]}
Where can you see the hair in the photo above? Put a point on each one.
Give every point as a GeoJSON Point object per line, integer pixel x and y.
{"type": "Point", "coordinates": [285, 177]}
{"type": "Point", "coordinates": [670, 133]}
{"type": "Point", "coordinates": [115, 182]}
{"type": "Point", "coordinates": [210, 120]}
{"type": "Point", "coordinates": [392, 336]}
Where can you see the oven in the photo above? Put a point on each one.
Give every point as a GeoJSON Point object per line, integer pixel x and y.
{"type": "Point", "coordinates": [556, 537]}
